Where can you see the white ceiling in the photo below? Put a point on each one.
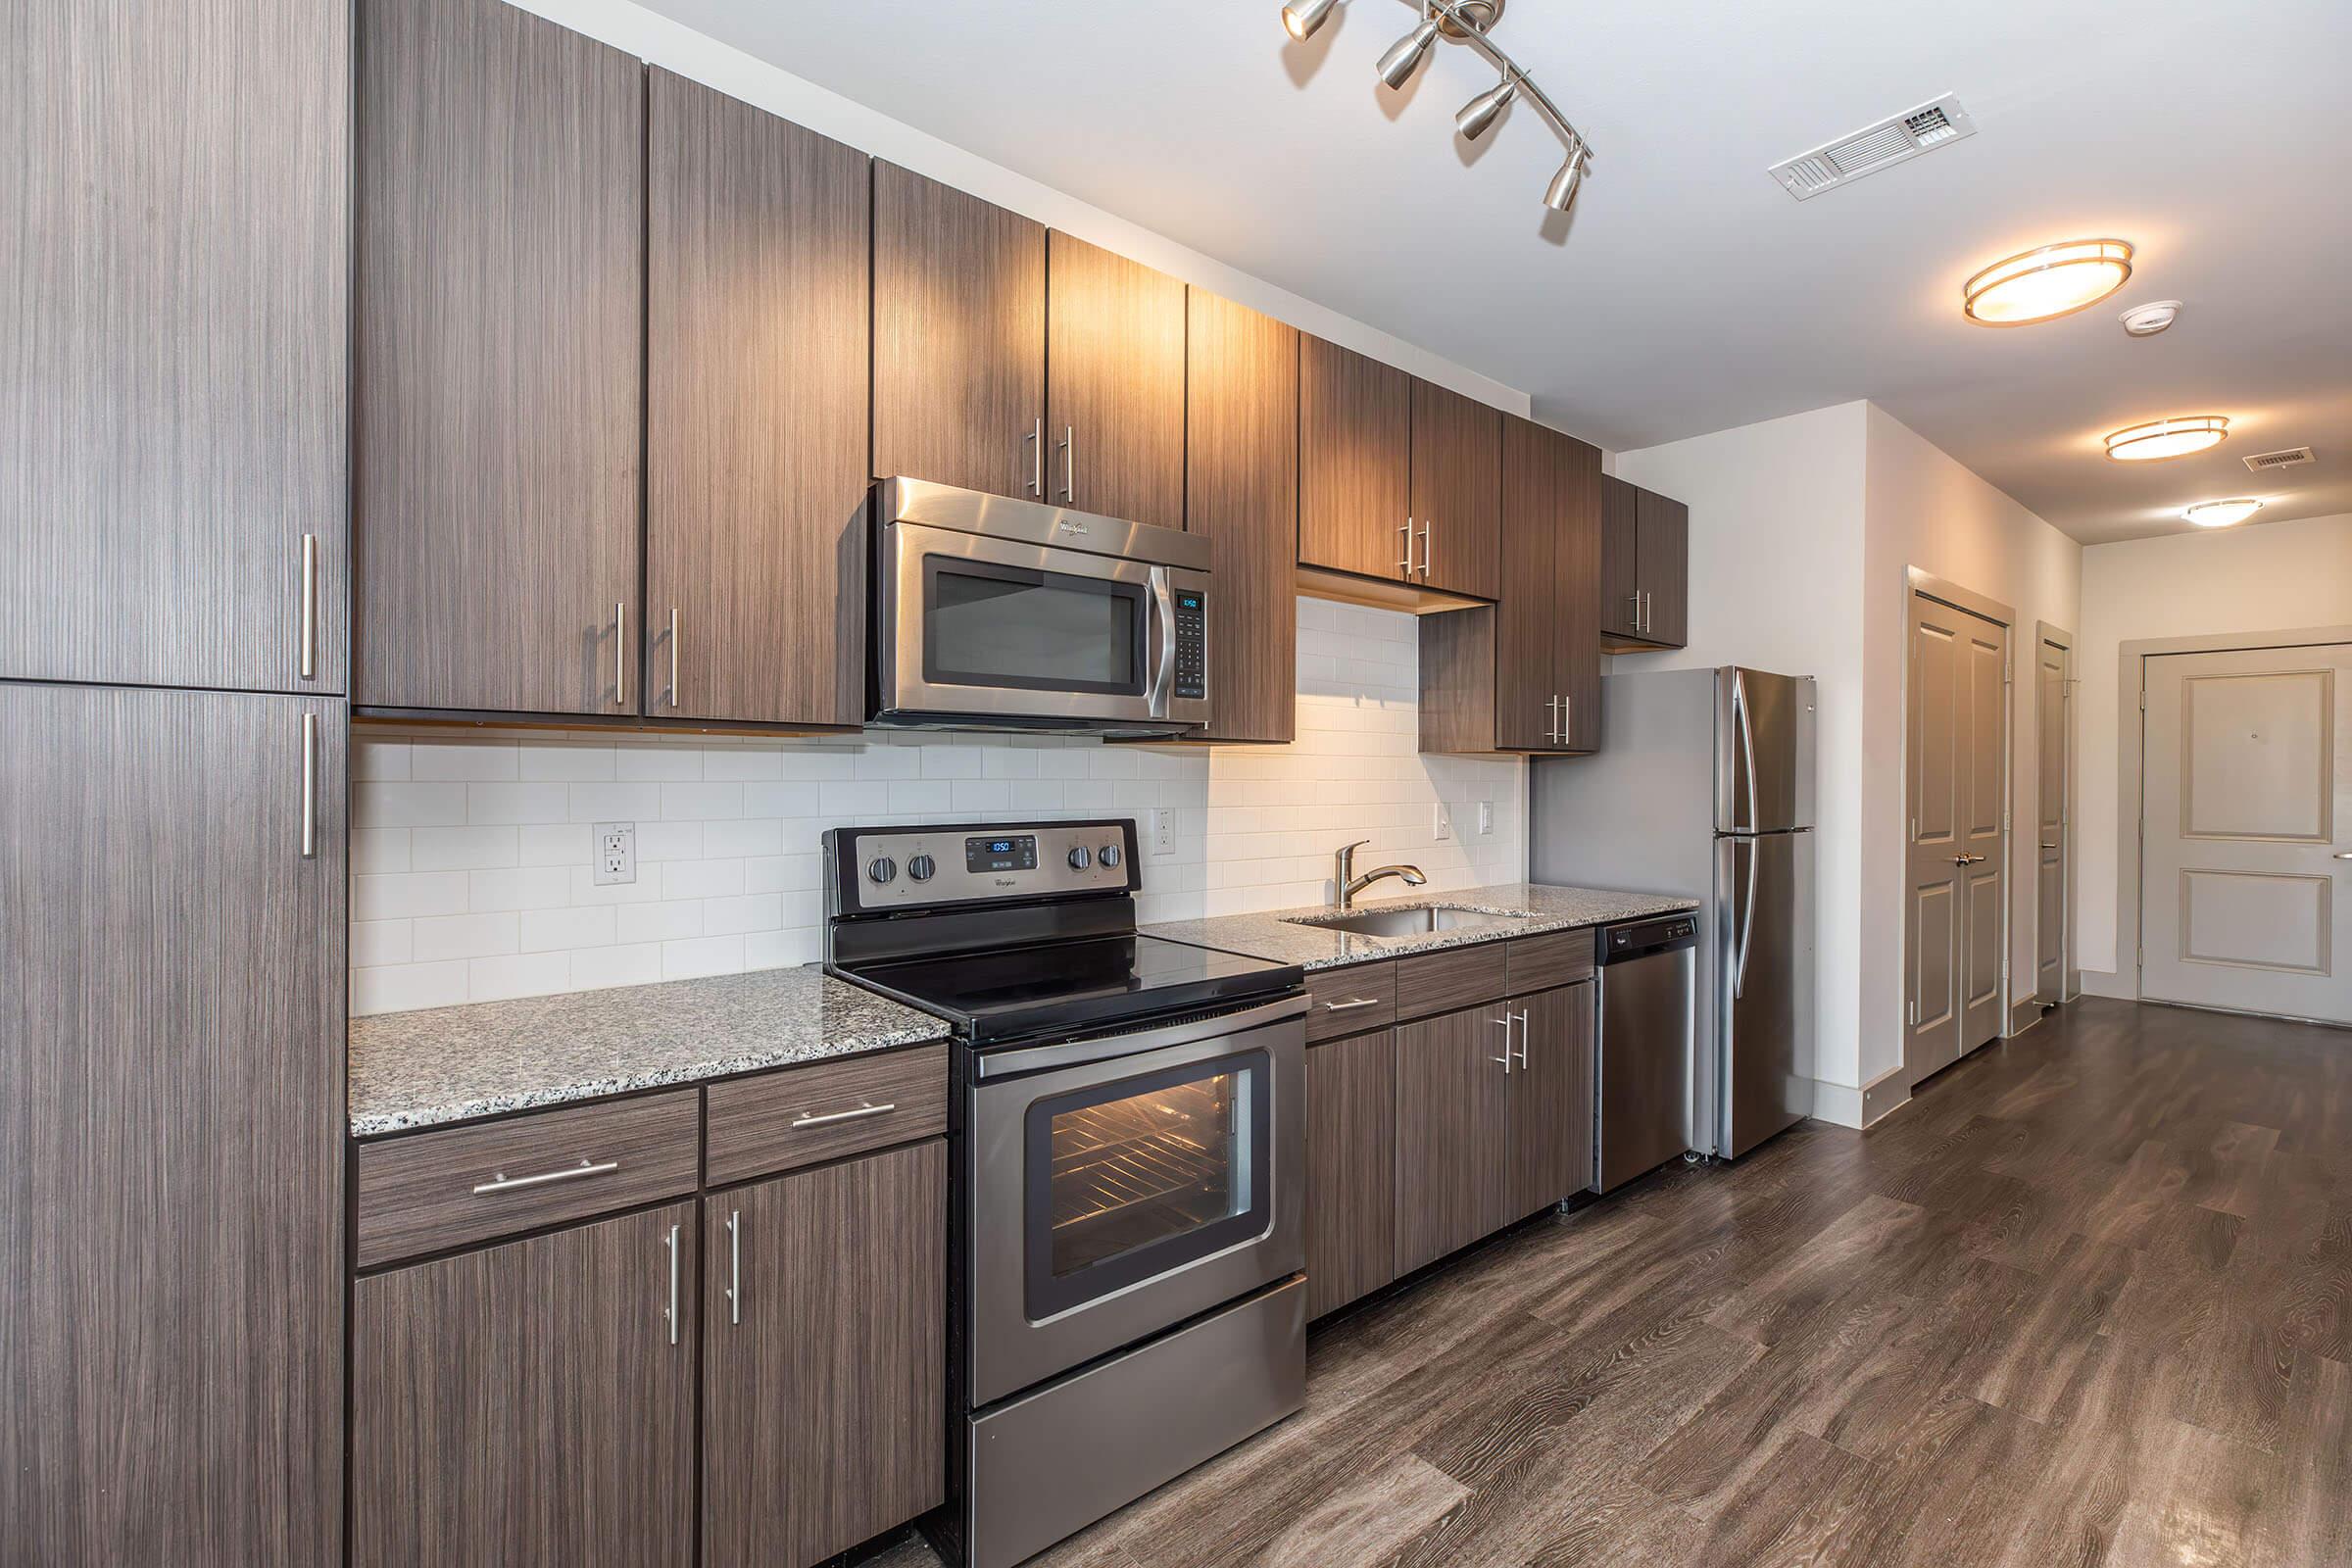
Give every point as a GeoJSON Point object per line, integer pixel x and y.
{"type": "Point", "coordinates": [1689, 292]}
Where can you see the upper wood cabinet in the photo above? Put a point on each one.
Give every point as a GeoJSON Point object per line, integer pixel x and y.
{"type": "Point", "coordinates": [755, 414]}
{"type": "Point", "coordinates": [174, 231]}
{"type": "Point", "coordinates": [1646, 564]}
{"type": "Point", "coordinates": [500, 327]}
{"type": "Point", "coordinates": [1242, 492]}
{"type": "Point", "coordinates": [960, 339]}
{"type": "Point", "coordinates": [1458, 490]}
{"type": "Point", "coordinates": [1525, 675]}
{"type": "Point", "coordinates": [171, 1127]}
{"type": "Point", "coordinates": [1355, 460]}
{"type": "Point", "coordinates": [1114, 384]}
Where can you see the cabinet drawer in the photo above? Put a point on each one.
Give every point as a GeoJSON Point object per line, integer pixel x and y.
{"type": "Point", "coordinates": [807, 1115]}
{"type": "Point", "coordinates": [1350, 1001]}
{"type": "Point", "coordinates": [1454, 977]}
{"type": "Point", "coordinates": [469, 1184]}
{"type": "Point", "coordinates": [1555, 958]}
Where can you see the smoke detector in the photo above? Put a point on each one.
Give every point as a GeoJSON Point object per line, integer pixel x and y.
{"type": "Point", "coordinates": [2288, 458]}
{"type": "Point", "coordinates": [1896, 139]}
{"type": "Point", "coordinates": [2146, 320]}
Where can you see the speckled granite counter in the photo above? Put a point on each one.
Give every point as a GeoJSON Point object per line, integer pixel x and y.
{"type": "Point", "coordinates": [1547, 909]}
{"type": "Point", "coordinates": [417, 1069]}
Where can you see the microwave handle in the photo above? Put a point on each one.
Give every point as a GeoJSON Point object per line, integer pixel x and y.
{"type": "Point", "coordinates": [1160, 650]}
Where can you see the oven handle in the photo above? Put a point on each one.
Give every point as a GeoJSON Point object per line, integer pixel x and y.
{"type": "Point", "coordinates": [1163, 663]}
{"type": "Point", "coordinates": [987, 1066]}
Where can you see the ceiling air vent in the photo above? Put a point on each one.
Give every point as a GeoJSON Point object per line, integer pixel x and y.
{"type": "Point", "coordinates": [2291, 456]}
{"type": "Point", "coordinates": [1891, 142]}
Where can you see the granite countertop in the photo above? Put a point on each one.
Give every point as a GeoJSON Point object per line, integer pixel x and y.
{"type": "Point", "coordinates": [1271, 936]}
{"type": "Point", "coordinates": [417, 1069]}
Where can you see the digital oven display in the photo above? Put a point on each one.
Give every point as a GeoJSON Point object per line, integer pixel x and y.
{"type": "Point", "coordinates": [1013, 853]}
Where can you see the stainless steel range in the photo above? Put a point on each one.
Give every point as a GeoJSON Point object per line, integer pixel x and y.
{"type": "Point", "coordinates": [1128, 1142]}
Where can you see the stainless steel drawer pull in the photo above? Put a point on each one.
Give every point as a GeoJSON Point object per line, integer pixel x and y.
{"type": "Point", "coordinates": [734, 1267]}
{"type": "Point", "coordinates": [1406, 564]}
{"type": "Point", "coordinates": [1352, 1003]}
{"type": "Point", "coordinates": [1521, 1016]}
{"type": "Point", "coordinates": [670, 1312]}
{"type": "Point", "coordinates": [1069, 459]}
{"type": "Point", "coordinates": [832, 1117]}
{"type": "Point", "coordinates": [309, 786]}
{"type": "Point", "coordinates": [503, 1183]}
{"type": "Point", "coordinates": [1035, 440]}
{"type": "Point", "coordinates": [1425, 551]}
{"type": "Point", "coordinates": [309, 607]}
{"type": "Point", "coordinates": [1504, 1024]}
{"type": "Point", "coordinates": [673, 655]}
{"type": "Point", "coordinates": [620, 655]}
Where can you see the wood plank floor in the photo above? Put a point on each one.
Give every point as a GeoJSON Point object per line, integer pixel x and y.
{"type": "Point", "coordinates": [2086, 1300]}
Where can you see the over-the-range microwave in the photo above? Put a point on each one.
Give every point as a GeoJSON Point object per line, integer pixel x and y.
{"type": "Point", "coordinates": [997, 613]}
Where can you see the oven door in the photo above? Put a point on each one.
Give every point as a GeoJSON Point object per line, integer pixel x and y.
{"type": "Point", "coordinates": [989, 627]}
{"type": "Point", "coordinates": [1108, 1200]}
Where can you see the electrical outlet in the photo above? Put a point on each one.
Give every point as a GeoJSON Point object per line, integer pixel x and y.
{"type": "Point", "coordinates": [1441, 823]}
{"type": "Point", "coordinates": [615, 854]}
{"type": "Point", "coordinates": [1485, 817]}
{"type": "Point", "coordinates": [1163, 831]}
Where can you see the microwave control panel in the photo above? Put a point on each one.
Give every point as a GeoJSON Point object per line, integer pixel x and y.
{"type": "Point", "coordinates": [1192, 641]}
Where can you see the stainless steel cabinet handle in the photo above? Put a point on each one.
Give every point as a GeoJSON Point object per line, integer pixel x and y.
{"type": "Point", "coordinates": [1552, 707]}
{"type": "Point", "coordinates": [309, 607]}
{"type": "Point", "coordinates": [620, 655]}
{"type": "Point", "coordinates": [1504, 1024]}
{"type": "Point", "coordinates": [1069, 460]}
{"type": "Point", "coordinates": [1567, 718]}
{"type": "Point", "coordinates": [503, 1183]}
{"type": "Point", "coordinates": [672, 1312]}
{"type": "Point", "coordinates": [832, 1117]}
{"type": "Point", "coordinates": [673, 655]}
{"type": "Point", "coordinates": [734, 1267]}
{"type": "Point", "coordinates": [1425, 553]}
{"type": "Point", "coordinates": [309, 786]}
{"type": "Point", "coordinates": [1352, 1003]}
{"type": "Point", "coordinates": [1406, 564]}
{"type": "Point", "coordinates": [1522, 1017]}
{"type": "Point", "coordinates": [1035, 440]}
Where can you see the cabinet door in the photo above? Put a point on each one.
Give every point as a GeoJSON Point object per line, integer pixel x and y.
{"type": "Point", "coordinates": [1242, 492]}
{"type": "Point", "coordinates": [1355, 419]}
{"type": "Point", "coordinates": [960, 339]}
{"type": "Point", "coordinates": [1551, 1100]}
{"type": "Point", "coordinates": [1620, 558]}
{"type": "Point", "coordinates": [1665, 569]}
{"type": "Point", "coordinates": [529, 1403]}
{"type": "Point", "coordinates": [1576, 625]}
{"type": "Point", "coordinates": [1114, 384]}
{"type": "Point", "coordinates": [173, 375]}
{"type": "Point", "coordinates": [1528, 657]}
{"type": "Point", "coordinates": [824, 1414]}
{"type": "Point", "coordinates": [755, 414]}
{"type": "Point", "coordinates": [1458, 490]}
{"type": "Point", "coordinates": [170, 1128]}
{"type": "Point", "coordinates": [1452, 1133]}
{"type": "Point", "coordinates": [501, 324]}
{"type": "Point", "coordinates": [1350, 1170]}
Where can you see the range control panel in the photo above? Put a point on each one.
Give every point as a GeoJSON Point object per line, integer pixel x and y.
{"type": "Point", "coordinates": [1191, 642]}
{"type": "Point", "coordinates": [882, 868]}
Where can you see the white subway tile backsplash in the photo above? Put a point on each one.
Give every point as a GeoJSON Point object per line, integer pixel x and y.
{"type": "Point", "coordinates": [521, 974]}
{"type": "Point", "coordinates": [460, 848]}
{"type": "Point", "coordinates": [549, 930]}
{"type": "Point", "coordinates": [636, 964]}
{"type": "Point", "coordinates": [515, 802]}
{"type": "Point", "coordinates": [463, 936]}
{"type": "Point", "coordinates": [528, 887]}
{"type": "Point", "coordinates": [701, 956]}
{"type": "Point", "coordinates": [405, 805]}
{"type": "Point", "coordinates": [659, 922]}
{"type": "Point", "coordinates": [701, 879]}
{"type": "Point", "coordinates": [402, 896]}
{"type": "Point", "coordinates": [379, 849]}
{"type": "Point", "coordinates": [462, 761]}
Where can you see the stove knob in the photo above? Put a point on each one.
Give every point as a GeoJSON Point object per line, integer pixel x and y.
{"type": "Point", "coordinates": [920, 867]}
{"type": "Point", "coordinates": [881, 868]}
{"type": "Point", "coordinates": [1108, 854]}
{"type": "Point", "coordinates": [1081, 857]}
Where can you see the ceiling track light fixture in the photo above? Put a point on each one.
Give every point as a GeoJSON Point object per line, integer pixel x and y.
{"type": "Point", "coordinates": [2166, 438]}
{"type": "Point", "coordinates": [1468, 22]}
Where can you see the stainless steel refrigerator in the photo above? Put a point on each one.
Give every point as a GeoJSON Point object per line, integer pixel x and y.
{"type": "Point", "coordinates": [1703, 786]}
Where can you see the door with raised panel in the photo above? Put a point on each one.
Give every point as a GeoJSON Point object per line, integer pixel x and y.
{"type": "Point", "coordinates": [1453, 1132]}
{"type": "Point", "coordinates": [1114, 384]}
{"type": "Point", "coordinates": [1456, 490]}
{"type": "Point", "coordinates": [960, 339]}
{"type": "Point", "coordinates": [500, 337]}
{"type": "Point", "coordinates": [175, 216]}
{"type": "Point", "coordinates": [1355, 462]}
{"type": "Point", "coordinates": [2246, 858]}
{"type": "Point", "coordinates": [755, 414]}
{"type": "Point", "coordinates": [2054, 742]}
{"type": "Point", "coordinates": [1550, 1100]}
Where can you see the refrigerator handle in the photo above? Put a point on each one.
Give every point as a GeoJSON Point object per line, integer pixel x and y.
{"type": "Point", "coordinates": [1747, 916]}
{"type": "Point", "coordinates": [1747, 751]}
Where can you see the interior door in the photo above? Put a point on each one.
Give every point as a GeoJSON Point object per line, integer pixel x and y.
{"type": "Point", "coordinates": [2246, 857]}
{"type": "Point", "coordinates": [2053, 699]}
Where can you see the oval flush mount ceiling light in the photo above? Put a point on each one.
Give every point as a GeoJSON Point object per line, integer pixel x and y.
{"type": "Point", "coordinates": [2041, 285]}
{"type": "Point", "coordinates": [2166, 438]}
{"type": "Point", "coordinates": [2221, 514]}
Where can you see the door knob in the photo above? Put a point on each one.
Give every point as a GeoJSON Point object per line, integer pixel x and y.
{"type": "Point", "coordinates": [2344, 855]}
{"type": "Point", "coordinates": [1967, 860]}
{"type": "Point", "coordinates": [2049, 846]}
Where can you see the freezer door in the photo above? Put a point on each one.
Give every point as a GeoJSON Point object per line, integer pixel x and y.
{"type": "Point", "coordinates": [1764, 1005]}
{"type": "Point", "coordinates": [1763, 751]}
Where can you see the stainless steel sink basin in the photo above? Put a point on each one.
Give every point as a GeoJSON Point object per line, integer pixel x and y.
{"type": "Point", "coordinates": [1409, 922]}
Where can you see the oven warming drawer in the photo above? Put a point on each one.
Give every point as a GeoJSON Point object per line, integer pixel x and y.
{"type": "Point", "coordinates": [1052, 1462]}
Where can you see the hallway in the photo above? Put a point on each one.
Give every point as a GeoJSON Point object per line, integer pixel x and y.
{"type": "Point", "coordinates": [2086, 1300]}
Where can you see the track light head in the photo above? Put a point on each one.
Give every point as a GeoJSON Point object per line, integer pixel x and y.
{"type": "Point", "coordinates": [1560, 194]}
{"type": "Point", "coordinates": [1302, 17]}
{"type": "Point", "coordinates": [1474, 117]}
{"type": "Point", "coordinates": [1405, 56]}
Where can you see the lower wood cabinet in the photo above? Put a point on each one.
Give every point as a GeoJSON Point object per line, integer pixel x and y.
{"type": "Point", "coordinates": [529, 1403]}
{"type": "Point", "coordinates": [1350, 1170]}
{"type": "Point", "coordinates": [1551, 1101]}
{"type": "Point", "coordinates": [824, 1417]}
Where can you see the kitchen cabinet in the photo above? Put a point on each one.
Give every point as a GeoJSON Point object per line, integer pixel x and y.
{"type": "Point", "coordinates": [1453, 1126]}
{"type": "Point", "coordinates": [960, 339]}
{"type": "Point", "coordinates": [170, 1127]}
{"type": "Point", "coordinates": [1355, 497]}
{"type": "Point", "coordinates": [175, 227]}
{"type": "Point", "coordinates": [1114, 384]}
{"type": "Point", "coordinates": [757, 397]}
{"type": "Point", "coordinates": [824, 1359]}
{"type": "Point", "coordinates": [529, 1403]}
{"type": "Point", "coordinates": [499, 331]}
{"type": "Point", "coordinates": [1350, 1170]}
{"type": "Point", "coordinates": [1524, 675]}
{"type": "Point", "coordinates": [1458, 490]}
{"type": "Point", "coordinates": [1241, 492]}
{"type": "Point", "coordinates": [1551, 1101]}
{"type": "Point", "coordinates": [1644, 567]}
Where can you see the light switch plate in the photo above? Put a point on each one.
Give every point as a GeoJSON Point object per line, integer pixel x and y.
{"type": "Point", "coordinates": [1485, 817]}
{"type": "Point", "coordinates": [615, 854]}
{"type": "Point", "coordinates": [1440, 825]}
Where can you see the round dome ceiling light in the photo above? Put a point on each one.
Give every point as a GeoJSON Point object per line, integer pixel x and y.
{"type": "Point", "coordinates": [2221, 514]}
{"type": "Point", "coordinates": [2146, 320]}
{"type": "Point", "coordinates": [2166, 438]}
{"type": "Point", "coordinates": [2041, 285]}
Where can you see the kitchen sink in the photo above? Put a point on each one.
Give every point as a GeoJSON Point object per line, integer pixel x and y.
{"type": "Point", "coordinates": [1409, 922]}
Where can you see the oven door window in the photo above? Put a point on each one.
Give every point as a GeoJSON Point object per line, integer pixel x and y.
{"type": "Point", "coordinates": [1141, 1176]}
{"type": "Point", "coordinates": [986, 624]}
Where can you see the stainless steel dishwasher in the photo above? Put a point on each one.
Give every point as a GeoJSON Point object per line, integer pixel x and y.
{"type": "Point", "coordinates": [1647, 984]}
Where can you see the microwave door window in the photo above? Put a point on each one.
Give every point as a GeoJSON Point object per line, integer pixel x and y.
{"type": "Point", "coordinates": [1010, 626]}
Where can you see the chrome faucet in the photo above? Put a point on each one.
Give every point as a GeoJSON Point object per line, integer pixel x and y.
{"type": "Point", "coordinates": [1345, 884]}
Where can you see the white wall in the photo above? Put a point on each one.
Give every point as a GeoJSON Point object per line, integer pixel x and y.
{"type": "Point", "coordinates": [470, 871]}
{"type": "Point", "coordinates": [2275, 577]}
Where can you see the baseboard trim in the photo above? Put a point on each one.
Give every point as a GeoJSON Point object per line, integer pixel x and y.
{"type": "Point", "coordinates": [2024, 1016]}
{"type": "Point", "coordinates": [1866, 1106]}
{"type": "Point", "coordinates": [2113, 984]}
